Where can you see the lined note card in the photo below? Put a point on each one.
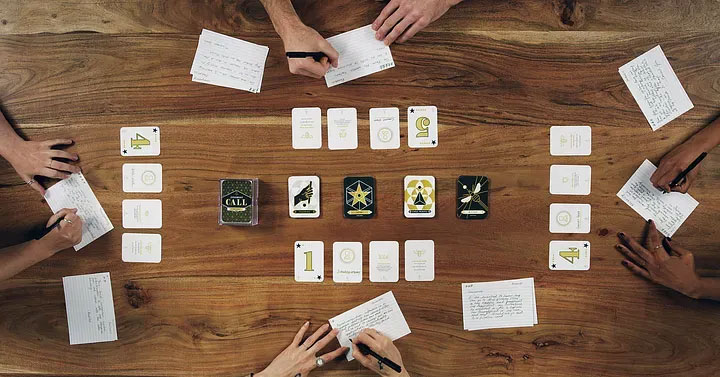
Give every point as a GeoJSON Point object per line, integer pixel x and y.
{"type": "Point", "coordinates": [74, 192]}
{"type": "Point", "coordinates": [656, 88]}
{"type": "Point", "coordinates": [360, 55]}
{"type": "Point", "coordinates": [668, 211]}
{"type": "Point", "coordinates": [381, 313]}
{"type": "Point", "coordinates": [499, 304]}
{"type": "Point", "coordinates": [90, 309]}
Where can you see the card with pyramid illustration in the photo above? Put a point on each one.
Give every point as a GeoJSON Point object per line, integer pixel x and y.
{"type": "Point", "coordinates": [419, 196]}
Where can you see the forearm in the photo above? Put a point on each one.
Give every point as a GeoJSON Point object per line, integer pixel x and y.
{"type": "Point", "coordinates": [709, 137]}
{"type": "Point", "coordinates": [14, 259]}
{"type": "Point", "coordinates": [283, 16]}
{"type": "Point", "coordinates": [709, 288]}
{"type": "Point", "coordinates": [8, 137]}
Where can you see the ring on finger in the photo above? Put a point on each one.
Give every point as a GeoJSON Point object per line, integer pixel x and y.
{"type": "Point", "coordinates": [68, 221]}
{"type": "Point", "coordinates": [319, 362]}
{"type": "Point", "coordinates": [30, 182]}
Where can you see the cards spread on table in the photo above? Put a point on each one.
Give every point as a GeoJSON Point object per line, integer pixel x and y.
{"type": "Point", "coordinates": [309, 261]}
{"type": "Point", "coordinates": [361, 54]}
{"type": "Point", "coordinates": [569, 255]}
{"type": "Point", "coordinates": [381, 313]}
{"type": "Point", "coordinates": [422, 127]}
{"type": "Point", "coordinates": [342, 128]}
{"type": "Point", "coordinates": [570, 179]}
{"type": "Point", "coordinates": [75, 192]}
{"type": "Point", "coordinates": [141, 247]}
{"type": "Point", "coordinates": [499, 304]}
{"type": "Point", "coordinates": [359, 197]}
{"type": "Point", "coordinates": [142, 178]}
{"type": "Point", "coordinates": [570, 141]}
{"type": "Point", "coordinates": [384, 261]}
{"type": "Point", "coordinates": [347, 262]}
{"type": "Point", "coordinates": [140, 141]}
{"type": "Point", "coordinates": [142, 213]}
{"type": "Point", "coordinates": [472, 197]}
{"type": "Point", "coordinates": [304, 196]}
{"type": "Point", "coordinates": [569, 218]}
{"type": "Point", "coordinates": [385, 128]}
{"type": "Point", "coordinates": [90, 309]}
{"type": "Point", "coordinates": [655, 87]}
{"type": "Point", "coordinates": [307, 128]}
{"type": "Point", "coordinates": [419, 260]}
{"type": "Point", "coordinates": [229, 62]}
{"type": "Point", "coordinates": [419, 196]}
{"type": "Point", "coordinates": [668, 211]}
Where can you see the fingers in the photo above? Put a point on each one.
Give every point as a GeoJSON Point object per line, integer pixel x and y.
{"type": "Point", "coordinates": [632, 256]}
{"type": "Point", "coordinates": [50, 173]}
{"type": "Point", "coordinates": [384, 14]}
{"type": "Point", "coordinates": [364, 360]}
{"type": "Point", "coordinates": [683, 188]}
{"type": "Point", "coordinates": [315, 336]}
{"type": "Point", "coordinates": [330, 356]}
{"type": "Point", "coordinates": [636, 270]}
{"type": "Point", "coordinates": [680, 251]}
{"type": "Point", "coordinates": [59, 215]}
{"type": "Point", "coordinates": [398, 30]}
{"type": "Point", "coordinates": [374, 334]}
{"type": "Point", "coordinates": [331, 53]}
{"type": "Point", "coordinates": [308, 67]}
{"type": "Point", "coordinates": [57, 165]}
{"type": "Point", "coordinates": [37, 187]}
{"type": "Point", "coordinates": [324, 341]}
{"type": "Point", "coordinates": [300, 334]}
{"type": "Point", "coordinates": [653, 240]}
{"type": "Point", "coordinates": [414, 29]}
{"type": "Point", "coordinates": [54, 142]}
{"type": "Point", "coordinates": [364, 338]}
{"type": "Point", "coordinates": [635, 248]}
{"type": "Point", "coordinates": [56, 153]}
{"type": "Point", "coordinates": [389, 23]}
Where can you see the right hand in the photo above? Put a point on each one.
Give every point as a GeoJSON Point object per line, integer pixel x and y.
{"type": "Point", "coordinates": [306, 39]}
{"type": "Point", "coordinates": [673, 163]}
{"type": "Point", "coordinates": [383, 346]}
{"type": "Point", "coordinates": [67, 234]}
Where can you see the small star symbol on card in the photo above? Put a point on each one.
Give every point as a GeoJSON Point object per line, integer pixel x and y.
{"type": "Point", "coordinates": [553, 266]}
{"type": "Point", "coordinates": [298, 246]}
{"type": "Point", "coordinates": [124, 151]}
{"type": "Point", "coordinates": [319, 277]}
{"type": "Point", "coordinates": [155, 130]}
{"type": "Point", "coordinates": [586, 245]}
{"type": "Point", "coordinates": [412, 111]}
{"type": "Point", "coordinates": [434, 142]}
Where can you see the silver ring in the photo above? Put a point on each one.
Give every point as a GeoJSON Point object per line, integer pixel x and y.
{"type": "Point", "coordinates": [68, 221]}
{"type": "Point", "coordinates": [380, 364]}
{"type": "Point", "coordinates": [319, 362]}
{"type": "Point", "coordinates": [30, 182]}
{"type": "Point", "coordinates": [657, 247]}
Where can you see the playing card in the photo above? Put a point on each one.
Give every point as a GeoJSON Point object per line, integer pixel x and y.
{"type": "Point", "coordinates": [472, 197]}
{"type": "Point", "coordinates": [419, 260]}
{"type": "Point", "coordinates": [570, 179]}
{"type": "Point", "coordinates": [384, 261]}
{"type": "Point", "coordinates": [140, 141]}
{"type": "Point", "coordinates": [140, 247]}
{"type": "Point", "coordinates": [142, 178]}
{"type": "Point", "coordinates": [307, 128]}
{"type": "Point", "coordinates": [569, 218]}
{"type": "Point", "coordinates": [385, 128]}
{"type": "Point", "coordinates": [420, 196]}
{"type": "Point", "coordinates": [569, 255]}
{"type": "Point", "coordinates": [359, 197]}
{"type": "Point", "coordinates": [304, 196]}
{"type": "Point", "coordinates": [342, 128]}
{"type": "Point", "coordinates": [142, 213]}
{"type": "Point", "coordinates": [347, 262]}
{"type": "Point", "coordinates": [309, 261]}
{"type": "Point", "coordinates": [570, 140]}
{"type": "Point", "coordinates": [422, 127]}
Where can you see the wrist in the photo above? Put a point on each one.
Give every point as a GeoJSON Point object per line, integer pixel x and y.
{"type": "Point", "coordinates": [9, 147]}
{"type": "Point", "coordinates": [43, 248]}
{"type": "Point", "coordinates": [288, 27]}
{"type": "Point", "coordinates": [698, 290]}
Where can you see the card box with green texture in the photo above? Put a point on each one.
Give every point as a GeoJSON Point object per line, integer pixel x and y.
{"type": "Point", "coordinates": [238, 202]}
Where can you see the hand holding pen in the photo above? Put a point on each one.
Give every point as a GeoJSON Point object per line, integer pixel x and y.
{"type": "Point", "coordinates": [382, 356]}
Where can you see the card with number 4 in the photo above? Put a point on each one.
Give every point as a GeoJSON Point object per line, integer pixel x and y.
{"type": "Point", "coordinates": [569, 255]}
{"type": "Point", "coordinates": [140, 141]}
{"type": "Point", "coordinates": [309, 261]}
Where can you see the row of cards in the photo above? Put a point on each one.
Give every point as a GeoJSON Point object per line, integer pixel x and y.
{"type": "Point", "coordinates": [384, 128]}
{"type": "Point", "coordinates": [384, 264]}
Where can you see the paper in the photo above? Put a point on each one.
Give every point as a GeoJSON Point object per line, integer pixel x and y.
{"type": "Point", "coordinates": [74, 192]}
{"type": "Point", "coordinates": [655, 87]}
{"type": "Point", "coordinates": [499, 304]}
{"type": "Point", "coordinates": [140, 141]}
{"type": "Point", "coordinates": [360, 55]}
{"type": "Point", "coordinates": [570, 179]}
{"type": "Point", "coordinates": [90, 309]}
{"type": "Point", "coordinates": [422, 127]}
{"type": "Point", "coordinates": [668, 211]}
{"type": "Point", "coordinates": [381, 313]}
{"type": "Point", "coordinates": [570, 140]}
{"type": "Point", "coordinates": [141, 247]}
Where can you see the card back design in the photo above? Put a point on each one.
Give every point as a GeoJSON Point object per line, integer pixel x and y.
{"type": "Point", "coordinates": [472, 197]}
{"type": "Point", "coordinates": [359, 197]}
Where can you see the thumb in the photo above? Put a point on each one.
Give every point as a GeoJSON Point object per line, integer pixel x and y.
{"type": "Point", "coordinates": [330, 51]}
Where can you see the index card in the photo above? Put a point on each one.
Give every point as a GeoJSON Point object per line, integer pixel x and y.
{"type": "Point", "coordinates": [360, 55]}
{"type": "Point", "coordinates": [90, 309]}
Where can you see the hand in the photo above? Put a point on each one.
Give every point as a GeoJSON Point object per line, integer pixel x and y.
{"type": "Point", "coordinates": [297, 360]}
{"type": "Point", "coordinates": [673, 163]}
{"type": "Point", "coordinates": [383, 346]}
{"type": "Point", "coordinates": [31, 158]}
{"type": "Point", "coordinates": [406, 17]}
{"type": "Point", "coordinates": [306, 39]}
{"type": "Point", "coordinates": [661, 262]}
{"type": "Point", "coordinates": [67, 234]}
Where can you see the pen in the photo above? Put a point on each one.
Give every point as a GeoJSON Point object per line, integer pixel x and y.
{"type": "Point", "coordinates": [381, 360]}
{"type": "Point", "coordinates": [301, 55]}
{"type": "Point", "coordinates": [685, 172]}
{"type": "Point", "coordinates": [45, 231]}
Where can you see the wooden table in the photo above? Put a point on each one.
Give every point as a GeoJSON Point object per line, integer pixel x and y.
{"type": "Point", "coordinates": [223, 301]}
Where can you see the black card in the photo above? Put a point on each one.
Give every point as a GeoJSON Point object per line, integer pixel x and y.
{"type": "Point", "coordinates": [472, 197]}
{"type": "Point", "coordinates": [359, 197]}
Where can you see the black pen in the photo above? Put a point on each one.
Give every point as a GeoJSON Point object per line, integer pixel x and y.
{"type": "Point", "coordinates": [301, 55]}
{"type": "Point", "coordinates": [685, 172]}
{"type": "Point", "coordinates": [44, 231]}
{"type": "Point", "coordinates": [381, 360]}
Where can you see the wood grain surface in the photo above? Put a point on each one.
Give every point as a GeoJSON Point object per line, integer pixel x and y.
{"type": "Point", "coordinates": [223, 301]}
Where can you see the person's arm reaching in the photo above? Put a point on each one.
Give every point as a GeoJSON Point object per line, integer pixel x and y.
{"type": "Point", "coordinates": [383, 346]}
{"type": "Point", "coordinates": [400, 20]}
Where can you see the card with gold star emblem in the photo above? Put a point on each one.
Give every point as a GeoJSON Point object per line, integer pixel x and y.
{"type": "Point", "coordinates": [359, 197]}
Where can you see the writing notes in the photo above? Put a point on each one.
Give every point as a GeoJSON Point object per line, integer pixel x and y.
{"type": "Point", "coordinates": [668, 211]}
{"type": "Point", "coordinates": [655, 87]}
{"type": "Point", "coordinates": [74, 192]}
{"type": "Point", "coordinates": [381, 313]}
{"type": "Point", "coordinates": [90, 309]}
{"type": "Point", "coordinates": [499, 304]}
{"type": "Point", "coordinates": [360, 55]}
{"type": "Point", "coordinates": [229, 62]}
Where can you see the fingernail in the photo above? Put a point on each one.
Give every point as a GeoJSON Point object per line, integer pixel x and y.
{"type": "Point", "coordinates": [624, 262]}
{"type": "Point", "coordinates": [307, 323]}
{"type": "Point", "coordinates": [618, 247]}
{"type": "Point", "coordinates": [649, 221]}
{"type": "Point", "coordinates": [669, 239]}
{"type": "Point", "coordinates": [621, 235]}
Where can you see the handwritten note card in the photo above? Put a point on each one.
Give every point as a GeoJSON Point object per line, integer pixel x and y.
{"type": "Point", "coordinates": [75, 192]}
{"type": "Point", "coordinates": [668, 211]}
{"type": "Point", "coordinates": [90, 309]}
{"type": "Point", "coordinates": [382, 314]}
{"type": "Point", "coordinates": [656, 88]}
{"type": "Point", "coordinates": [360, 55]}
{"type": "Point", "coordinates": [499, 304]}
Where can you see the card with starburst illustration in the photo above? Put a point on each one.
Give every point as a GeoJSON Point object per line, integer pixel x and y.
{"type": "Point", "coordinates": [359, 197]}
{"type": "Point", "coordinates": [472, 197]}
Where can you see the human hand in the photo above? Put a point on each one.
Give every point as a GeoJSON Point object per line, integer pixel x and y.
{"type": "Point", "coordinates": [306, 39]}
{"type": "Point", "coordinates": [673, 163]}
{"type": "Point", "coordinates": [297, 360]}
{"type": "Point", "coordinates": [68, 232]}
{"type": "Point", "coordinates": [383, 346]}
{"type": "Point", "coordinates": [31, 158]}
{"type": "Point", "coordinates": [661, 262]}
{"type": "Point", "coordinates": [406, 17]}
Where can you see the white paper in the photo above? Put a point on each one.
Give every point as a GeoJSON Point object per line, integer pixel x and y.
{"type": "Point", "coordinates": [360, 55]}
{"type": "Point", "coordinates": [75, 192]}
{"type": "Point", "coordinates": [499, 304]}
{"type": "Point", "coordinates": [668, 211]}
{"type": "Point", "coordinates": [90, 309]}
{"type": "Point", "coordinates": [141, 248]}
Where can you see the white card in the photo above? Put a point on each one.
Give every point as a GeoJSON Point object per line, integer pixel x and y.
{"type": "Point", "coordinates": [570, 179]}
{"type": "Point", "coordinates": [422, 127]}
{"type": "Point", "coordinates": [90, 308]}
{"type": "Point", "coordinates": [141, 247]}
{"type": "Point", "coordinates": [309, 261]}
{"type": "Point", "coordinates": [385, 128]}
{"type": "Point", "coordinates": [342, 128]}
{"type": "Point", "coordinates": [569, 255]}
{"type": "Point", "coordinates": [419, 260]}
{"type": "Point", "coordinates": [142, 213]}
{"type": "Point", "coordinates": [570, 140]}
{"type": "Point", "coordinates": [304, 196]}
{"type": "Point", "coordinates": [140, 141]}
{"type": "Point", "coordinates": [347, 262]}
{"type": "Point", "coordinates": [142, 178]}
{"type": "Point", "coordinates": [384, 261]}
{"type": "Point", "coordinates": [419, 196]}
{"type": "Point", "coordinates": [569, 218]}
{"type": "Point", "coordinates": [307, 128]}
{"type": "Point", "coordinates": [361, 54]}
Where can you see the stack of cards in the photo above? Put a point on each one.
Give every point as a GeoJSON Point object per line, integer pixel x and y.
{"type": "Point", "coordinates": [499, 304]}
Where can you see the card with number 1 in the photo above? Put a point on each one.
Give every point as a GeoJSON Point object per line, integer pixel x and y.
{"type": "Point", "coordinates": [309, 261]}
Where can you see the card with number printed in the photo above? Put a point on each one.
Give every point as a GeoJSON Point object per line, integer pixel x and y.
{"type": "Point", "coordinates": [309, 261]}
{"type": "Point", "coordinates": [359, 197]}
{"type": "Point", "coordinates": [569, 255]}
{"type": "Point", "coordinates": [472, 197]}
{"type": "Point", "coordinates": [304, 196]}
{"type": "Point", "coordinates": [140, 141]}
{"type": "Point", "coordinates": [419, 196]}
{"type": "Point", "coordinates": [422, 127]}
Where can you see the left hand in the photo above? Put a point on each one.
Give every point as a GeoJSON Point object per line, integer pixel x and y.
{"type": "Point", "coordinates": [406, 17]}
{"type": "Point", "coordinates": [31, 158]}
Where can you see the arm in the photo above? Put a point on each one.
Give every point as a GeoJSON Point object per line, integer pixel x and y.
{"type": "Point", "coordinates": [709, 288]}
{"type": "Point", "coordinates": [401, 19]}
{"type": "Point", "coordinates": [383, 346]}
